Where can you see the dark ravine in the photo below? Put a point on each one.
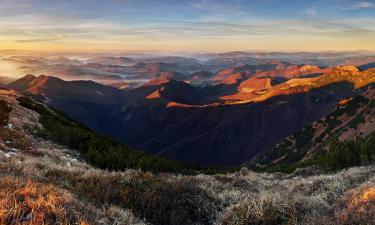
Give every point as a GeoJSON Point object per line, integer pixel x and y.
{"type": "Point", "coordinates": [217, 135]}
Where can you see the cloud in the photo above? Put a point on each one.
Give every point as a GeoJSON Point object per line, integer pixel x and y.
{"type": "Point", "coordinates": [47, 39]}
{"type": "Point", "coordinates": [217, 6]}
{"type": "Point", "coordinates": [360, 5]}
{"type": "Point", "coordinates": [89, 22]}
{"type": "Point", "coordinates": [311, 12]}
{"type": "Point", "coordinates": [105, 31]}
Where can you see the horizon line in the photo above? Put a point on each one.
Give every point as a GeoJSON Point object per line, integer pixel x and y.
{"type": "Point", "coordinates": [124, 51]}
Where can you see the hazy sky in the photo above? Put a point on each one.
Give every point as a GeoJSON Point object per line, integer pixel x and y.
{"type": "Point", "coordinates": [187, 25]}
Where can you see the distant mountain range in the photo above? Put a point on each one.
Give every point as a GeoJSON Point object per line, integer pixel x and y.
{"type": "Point", "coordinates": [136, 69]}
{"type": "Point", "coordinates": [238, 114]}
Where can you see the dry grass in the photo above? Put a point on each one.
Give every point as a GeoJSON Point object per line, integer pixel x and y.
{"type": "Point", "coordinates": [26, 202]}
{"type": "Point", "coordinates": [240, 198]}
{"type": "Point", "coordinates": [159, 199]}
{"type": "Point", "coordinates": [256, 198]}
{"type": "Point", "coordinates": [15, 138]}
{"type": "Point", "coordinates": [357, 207]}
{"type": "Point", "coordinates": [29, 196]}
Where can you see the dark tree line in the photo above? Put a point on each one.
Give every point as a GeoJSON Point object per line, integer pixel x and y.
{"type": "Point", "coordinates": [102, 151]}
{"type": "Point", "coordinates": [344, 154]}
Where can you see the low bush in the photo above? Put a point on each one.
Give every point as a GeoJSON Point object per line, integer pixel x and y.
{"type": "Point", "coordinates": [344, 154]}
{"type": "Point", "coordinates": [356, 121]}
{"type": "Point", "coordinates": [14, 138]}
{"type": "Point", "coordinates": [5, 109]}
{"type": "Point", "coordinates": [304, 136]}
{"type": "Point", "coordinates": [265, 213]}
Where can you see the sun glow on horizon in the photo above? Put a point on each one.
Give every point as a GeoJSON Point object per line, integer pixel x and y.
{"type": "Point", "coordinates": [190, 26]}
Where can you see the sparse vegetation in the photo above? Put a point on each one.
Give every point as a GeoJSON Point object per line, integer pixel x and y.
{"type": "Point", "coordinates": [288, 155]}
{"type": "Point", "coordinates": [342, 155]}
{"type": "Point", "coordinates": [11, 137]}
{"type": "Point", "coordinates": [26, 202]}
{"type": "Point", "coordinates": [304, 136]}
{"type": "Point", "coordinates": [240, 198]}
{"type": "Point", "coordinates": [350, 109]}
{"type": "Point", "coordinates": [161, 199]}
{"type": "Point", "coordinates": [287, 148]}
{"type": "Point", "coordinates": [372, 103]}
{"type": "Point", "coordinates": [358, 119]}
{"type": "Point", "coordinates": [4, 112]}
{"type": "Point", "coordinates": [15, 139]}
{"type": "Point", "coordinates": [152, 197]}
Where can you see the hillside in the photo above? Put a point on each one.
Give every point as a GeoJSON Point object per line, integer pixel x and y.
{"type": "Point", "coordinates": [353, 119]}
{"type": "Point", "coordinates": [79, 193]}
{"type": "Point", "coordinates": [346, 75]}
{"type": "Point", "coordinates": [75, 98]}
{"type": "Point", "coordinates": [292, 71]}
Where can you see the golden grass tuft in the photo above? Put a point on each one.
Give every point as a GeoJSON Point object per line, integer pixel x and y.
{"type": "Point", "coordinates": [369, 194]}
{"type": "Point", "coordinates": [26, 202]}
{"type": "Point", "coordinates": [356, 207]}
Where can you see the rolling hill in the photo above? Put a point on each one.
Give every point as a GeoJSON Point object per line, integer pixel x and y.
{"type": "Point", "coordinates": [224, 124]}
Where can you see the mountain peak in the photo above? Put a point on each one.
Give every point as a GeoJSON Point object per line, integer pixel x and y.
{"type": "Point", "coordinates": [22, 83]}
{"type": "Point", "coordinates": [307, 67]}
{"type": "Point", "coordinates": [348, 68]}
{"type": "Point", "coordinates": [153, 95]}
{"type": "Point", "coordinates": [28, 77]}
{"type": "Point", "coordinates": [156, 82]}
{"type": "Point", "coordinates": [234, 78]}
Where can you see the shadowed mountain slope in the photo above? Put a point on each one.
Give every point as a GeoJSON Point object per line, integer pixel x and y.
{"type": "Point", "coordinates": [178, 121]}
{"type": "Point", "coordinates": [352, 119]}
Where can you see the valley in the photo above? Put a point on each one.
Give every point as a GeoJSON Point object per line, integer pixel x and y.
{"type": "Point", "coordinates": [221, 123]}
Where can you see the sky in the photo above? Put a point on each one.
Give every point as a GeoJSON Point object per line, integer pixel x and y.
{"type": "Point", "coordinates": [187, 25]}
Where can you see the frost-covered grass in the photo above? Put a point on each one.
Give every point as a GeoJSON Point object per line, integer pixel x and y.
{"type": "Point", "coordinates": [255, 198]}
{"type": "Point", "coordinates": [244, 197]}
{"type": "Point", "coordinates": [37, 199]}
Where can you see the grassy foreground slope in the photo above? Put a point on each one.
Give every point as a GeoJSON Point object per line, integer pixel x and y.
{"type": "Point", "coordinates": [95, 196]}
